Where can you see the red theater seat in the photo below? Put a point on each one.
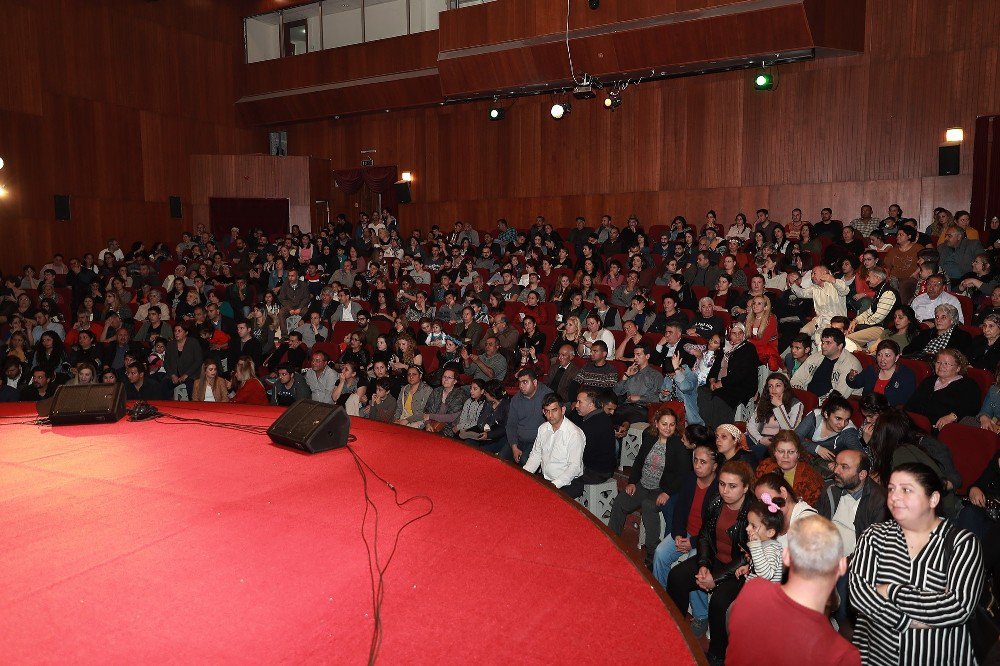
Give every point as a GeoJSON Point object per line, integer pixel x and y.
{"type": "Point", "coordinates": [971, 448]}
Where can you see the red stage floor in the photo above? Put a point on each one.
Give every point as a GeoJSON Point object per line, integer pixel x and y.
{"type": "Point", "coordinates": [161, 542]}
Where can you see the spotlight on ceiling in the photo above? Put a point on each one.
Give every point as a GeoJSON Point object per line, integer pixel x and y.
{"type": "Point", "coordinates": [497, 113]}
{"type": "Point", "coordinates": [595, 4]}
{"type": "Point", "coordinates": [1, 162]}
{"type": "Point", "coordinates": [3, 191]}
{"type": "Point", "coordinates": [613, 100]}
{"type": "Point", "coordinates": [560, 110]}
{"type": "Point", "coordinates": [764, 80]}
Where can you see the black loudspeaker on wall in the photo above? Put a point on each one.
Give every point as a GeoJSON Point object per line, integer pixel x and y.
{"type": "Point", "coordinates": [311, 427]}
{"type": "Point", "coordinates": [949, 160]}
{"type": "Point", "coordinates": [175, 208]}
{"type": "Point", "coordinates": [88, 403]}
{"type": "Point", "coordinates": [62, 207]}
{"type": "Point", "coordinates": [403, 192]}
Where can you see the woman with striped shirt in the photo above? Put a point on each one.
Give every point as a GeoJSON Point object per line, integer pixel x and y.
{"type": "Point", "coordinates": [915, 580]}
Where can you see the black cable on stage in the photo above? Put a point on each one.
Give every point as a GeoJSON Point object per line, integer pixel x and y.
{"type": "Point", "coordinates": [41, 421]}
{"type": "Point", "coordinates": [378, 588]}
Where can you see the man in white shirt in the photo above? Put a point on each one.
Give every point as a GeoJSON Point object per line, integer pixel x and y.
{"type": "Point", "coordinates": [113, 249]}
{"type": "Point", "coordinates": [924, 304]}
{"type": "Point", "coordinates": [321, 378]}
{"type": "Point", "coordinates": [558, 449]}
{"type": "Point", "coordinates": [829, 297]}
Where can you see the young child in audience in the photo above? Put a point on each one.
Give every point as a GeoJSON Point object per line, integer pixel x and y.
{"type": "Point", "coordinates": [437, 336]}
{"type": "Point", "coordinates": [683, 383]}
{"type": "Point", "coordinates": [765, 521]}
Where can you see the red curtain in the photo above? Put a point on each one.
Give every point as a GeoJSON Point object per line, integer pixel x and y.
{"type": "Point", "coordinates": [378, 179]}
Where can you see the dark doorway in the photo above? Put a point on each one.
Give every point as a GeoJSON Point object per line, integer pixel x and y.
{"type": "Point", "coordinates": [271, 215]}
{"type": "Point", "coordinates": [295, 38]}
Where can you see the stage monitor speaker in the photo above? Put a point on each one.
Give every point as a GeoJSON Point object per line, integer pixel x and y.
{"type": "Point", "coordinates": [949, 162]}
{"type": "Point", "coordinates": [175, 208]}
{"type": "Point", "coordinates": [312, 427]}
{"type": "Point", "coordinates": [88, 403]}
{"type": "Point", "coordinates": [403, 192]}
{"type": "Point", "coordinates": [62, 207]}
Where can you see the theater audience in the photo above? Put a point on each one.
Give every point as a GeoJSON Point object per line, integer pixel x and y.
{"type": "Point", "coordinates": [316, 288]}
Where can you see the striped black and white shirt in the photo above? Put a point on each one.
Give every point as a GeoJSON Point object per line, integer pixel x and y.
{"type": "Point", "coordinates": [936, 588]}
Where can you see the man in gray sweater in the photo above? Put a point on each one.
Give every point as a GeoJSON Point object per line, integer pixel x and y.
{"type": "Point", "coordinates": [524, 417]}
{"type": "Point", "coordinates": [639, 387]}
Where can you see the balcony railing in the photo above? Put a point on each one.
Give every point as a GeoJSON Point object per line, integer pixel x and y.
{"type": "Point", "coordinates": [333, 23]}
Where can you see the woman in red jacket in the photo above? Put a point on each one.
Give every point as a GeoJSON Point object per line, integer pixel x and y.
{"type": "Point", "coordinates": [249, 389]}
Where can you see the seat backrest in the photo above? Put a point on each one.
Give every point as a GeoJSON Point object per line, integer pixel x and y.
{"type": "Point", "coordinates": [921, 369]}
{"type": "Point", "coordinates": [676, 405]}
{"type": "Point", "coordinates": [984, 378]}
{"type": "Point", "coordinates": [809, 400]}
{"type": "Point", "coordinates": [971, 449]}
{"type": "Point", "coordinates": [864, 359]}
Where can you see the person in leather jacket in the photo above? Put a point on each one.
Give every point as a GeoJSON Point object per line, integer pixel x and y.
{"type": "Point", "coordinates": [714, 568]}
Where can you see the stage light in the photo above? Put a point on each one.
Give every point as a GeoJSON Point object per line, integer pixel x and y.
{"type": "Point", "coordinates": [497, 113]}
{"type": "Point", "coordinates": [763, 81]}
{"type": "Point", "coordinates": [3, 191]}
{"type": "Point", "coordinates": [613, 100]}
{"type": "Point", "coordinates": [595, 4]}
{"type": "Point", "coordinates": [1, 162]}
{"type": "Point", "coordinates": [407, 176]}
{"type": "Point", "coordinates": [954, 135]}
{"type": "Point", "coordinates": [560, 110]}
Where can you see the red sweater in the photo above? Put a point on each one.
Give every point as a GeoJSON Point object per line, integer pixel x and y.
{"type": "Point", "coordinates": [767, 627]}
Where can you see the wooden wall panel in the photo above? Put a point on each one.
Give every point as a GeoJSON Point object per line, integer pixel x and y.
{"type": "Point", "coordinates": [259, 177]}
{"type": "Point", "coordinates": [838, 132]}
{"type": "Point", "coordinates": [105, 100]}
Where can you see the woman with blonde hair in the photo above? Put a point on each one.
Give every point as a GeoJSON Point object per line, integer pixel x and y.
{"type": "Point", "coordinates": [248, 389]}
{"type": "Point", "coordinates": [210, 387]}
{"type": "Point", "coordinates": [762, 331]}
{"type": "Point", "coordinates": [572, 334]}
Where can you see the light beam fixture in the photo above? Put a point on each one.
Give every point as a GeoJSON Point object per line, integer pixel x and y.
{"type": "Point", "coordinates": [561, 109]}
{"type": "Point", "coordinates": [407, 177]}
{"type": "Point", "coordinates": [613, 100]}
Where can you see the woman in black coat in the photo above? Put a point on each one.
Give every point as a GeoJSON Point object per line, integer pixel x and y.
{"type": "Point", "coordinates": [663, 455]}
{"type": "Point", "coordinates": [714, 568]}
{"type": "Point", "coordinates": [984, 351]}
{"type": "Point", "coordinates": [945, 324]}
{"type": "Point", "coordinates": [948, 395]}
{"type": "Point", "coordinates": [719, 398]}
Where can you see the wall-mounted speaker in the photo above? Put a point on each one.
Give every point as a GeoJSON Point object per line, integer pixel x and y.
{"type": "Point", "coordinates": [62, 207]}
{"type": "Point", "coordinates": [949, 160]}
{"type": "Point", "coordinates": [87, 403]}
{"type": "Point", "coordinates": [311, 427]}
{"type": "Point", "coordinates": [175, 208]}
{"type": "Point", "coordinates": [403, 192]}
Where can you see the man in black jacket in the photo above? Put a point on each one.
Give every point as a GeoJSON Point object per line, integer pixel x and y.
{"type": "Point", "coordinates": [696, 494]}
{"type": "Point", "coordinates": [599, 454]}
{"type": "Point", "coordinates": [854, 503]}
